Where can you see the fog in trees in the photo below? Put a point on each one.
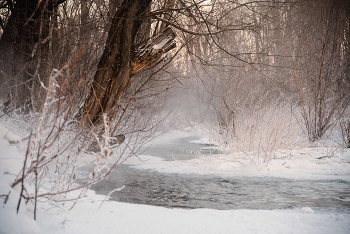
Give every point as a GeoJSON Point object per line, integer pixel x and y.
{"type": "Point", "coordinates": [106, 76]}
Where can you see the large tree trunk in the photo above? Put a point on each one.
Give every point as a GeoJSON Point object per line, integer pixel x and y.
{"type": "Point", "coordinates": [122, 60]}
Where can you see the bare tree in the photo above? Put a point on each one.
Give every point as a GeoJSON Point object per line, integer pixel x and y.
{"type": "Point", "coordinates": [102, 66]}
{"type": "Point", "coordinates": [321, 77]}
{"type": "Point", "coordinates": [112, 85]}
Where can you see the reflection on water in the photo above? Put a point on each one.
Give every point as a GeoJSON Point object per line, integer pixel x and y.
{"type": "Point", "coordinates": [198, 191]}
{"type": "Point", "coordinates": [180, 149]}
{"type": "Point", "coordinates": [189, 191]}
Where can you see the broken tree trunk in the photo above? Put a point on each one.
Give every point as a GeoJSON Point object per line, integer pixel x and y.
{"type": "Point", "coordinates": [150, 54]}
{"type": "Point", "coordinates": [122, 61]}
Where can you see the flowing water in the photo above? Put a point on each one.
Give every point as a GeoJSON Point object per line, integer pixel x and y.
{"type": "Point", "coordinates": [215, 192]}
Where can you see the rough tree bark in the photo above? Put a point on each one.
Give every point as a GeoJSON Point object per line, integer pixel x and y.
{"type": "Point", "coordinates": [122, 60]}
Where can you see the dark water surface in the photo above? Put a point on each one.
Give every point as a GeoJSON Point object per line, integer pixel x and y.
{"type": "Point", "coordinates": [215, 192]}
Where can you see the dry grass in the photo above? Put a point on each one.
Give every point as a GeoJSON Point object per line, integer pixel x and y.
{"type": "Point", "coordinates": [261, 132]}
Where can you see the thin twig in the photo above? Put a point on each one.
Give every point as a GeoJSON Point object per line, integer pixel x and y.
{"type": "Point", "coordinates": [23, 171]}
{"type": "Point", "coordinates": [114, 190]}
{"type": "Point", "coordinates": [36, 181]}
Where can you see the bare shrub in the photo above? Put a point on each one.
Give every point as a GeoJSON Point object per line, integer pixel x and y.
{"type": "Point", "coordinates": [321, 102]}
{"type": "Point", "coordinates": [58, 144]}
{"type": "Point", "coordinates": [262, 132]}
{"type": "Point", "coordinates": [320, 64]}
{"type": "Point", "coordinates": [345, 132]}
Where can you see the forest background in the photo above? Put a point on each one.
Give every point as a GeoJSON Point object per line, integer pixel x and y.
{"type": "Point", "coordinates": [99, 76]}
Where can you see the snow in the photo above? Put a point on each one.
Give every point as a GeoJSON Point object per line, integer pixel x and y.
{"type": "Point", "coordinates": [10, 159]}
{"type": "Point", "coordinates": [116, 217]}
{"type": "Point", "coordinates": [303, 163]}
{"type": "Point", "coordinates": [307, 210]}
{"type": "Point", "coordinates": [162, 43]}
{"type": "Point", "coordinates": [292, 165]}
{"type": "Point", "coordinates": [9, 136]}
{"type": "Point", "coordinates": [10, 222]}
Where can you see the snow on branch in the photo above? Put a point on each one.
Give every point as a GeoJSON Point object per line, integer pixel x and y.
{"type": "Point", "coordinates": [150, 54]}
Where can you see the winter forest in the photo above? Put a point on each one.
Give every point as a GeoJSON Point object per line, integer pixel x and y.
{"type": "Point", "coordinates": [211, 116]}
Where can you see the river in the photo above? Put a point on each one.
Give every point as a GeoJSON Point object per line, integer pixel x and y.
{"type": "Point", "coordinates": [216, 192]}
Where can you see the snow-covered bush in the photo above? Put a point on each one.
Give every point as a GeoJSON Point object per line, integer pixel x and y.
{"type": "Point", "coordinates": [55, 144]}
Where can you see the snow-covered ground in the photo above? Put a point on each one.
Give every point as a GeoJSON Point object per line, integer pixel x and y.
{"type": "Point", "coordinates": [303, 163]}
{"type": "Point", "coordinates": [115, 217]}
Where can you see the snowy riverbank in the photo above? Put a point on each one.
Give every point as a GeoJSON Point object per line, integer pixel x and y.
{"type": "Point", "coordinates": [115, 217]}
{"type": "Point", "coordinates": [300, 163]}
